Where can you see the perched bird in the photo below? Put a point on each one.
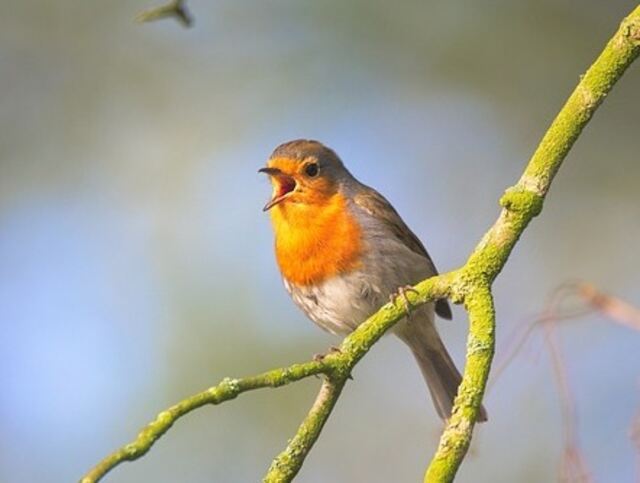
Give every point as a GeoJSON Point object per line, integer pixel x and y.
{"type": "Point", "coordinates": [343, 250]}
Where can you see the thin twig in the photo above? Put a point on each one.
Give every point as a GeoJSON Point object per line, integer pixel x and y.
{"type": "Point", "coordinates": [573, 465]}
{"type": "Point", "coordinates": [287, 464]}
{"type": "Point", "coordinates": [226, 390]}
{"type": "Point", "coordinates": [176, 9]}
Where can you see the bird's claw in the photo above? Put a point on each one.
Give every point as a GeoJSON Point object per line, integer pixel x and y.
{"type": "Point", "coordinates": [402, 292]}
{"type": "Point", "coordinates": [332, 350]}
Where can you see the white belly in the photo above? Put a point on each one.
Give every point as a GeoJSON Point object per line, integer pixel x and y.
{"type": "Point", "coordinates": [343, 302]}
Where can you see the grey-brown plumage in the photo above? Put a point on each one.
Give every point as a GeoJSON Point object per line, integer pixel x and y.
{"type": "Point", "coordinates": [374, 203]}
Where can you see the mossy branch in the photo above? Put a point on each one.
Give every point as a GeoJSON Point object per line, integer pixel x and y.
{"type": "Point", "coordinates": [335, 367]}
{"type": "Point", "coordinates": [521, 204]}
{"type": "Point", "coordinates": [471, 285]}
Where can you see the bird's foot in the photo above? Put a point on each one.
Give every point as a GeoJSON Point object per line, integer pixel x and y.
{"type": "Point", "coordinates": [402, 292]}
{"type": "Point", "coordinates": [332, 350]}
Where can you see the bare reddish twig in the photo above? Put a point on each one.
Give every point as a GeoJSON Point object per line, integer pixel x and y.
{"type": "Point", "coordinates": [615, 309]}
{"type": "Point", "coordinates": [573, 467]}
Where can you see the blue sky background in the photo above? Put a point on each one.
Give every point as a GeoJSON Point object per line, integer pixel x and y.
{"type": "Point", "coordinates": [137, 265]}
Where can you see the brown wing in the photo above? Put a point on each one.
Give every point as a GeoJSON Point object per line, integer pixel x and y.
{"type": "Point", "coordinates": [375, 204]}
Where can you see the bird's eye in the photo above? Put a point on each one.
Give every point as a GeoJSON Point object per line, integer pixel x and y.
{"type": "Point", "coordinates": [311, 170]}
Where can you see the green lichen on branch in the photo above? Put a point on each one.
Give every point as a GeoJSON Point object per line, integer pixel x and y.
{"type": "Point", "coordinates": [336, 367]}
{"type": "Point", "coordinates": [597, 82]}
{"type": "Point", "coordinates": [287, 464]}
{"type": "Point", "coordinates": [521, 204]}
{"type": "Point", "coordinates": [226, 390]}
{"type": "Point", "coordinates": [471, 285]}
{"type": "Point", "coordinates": [456, 437]}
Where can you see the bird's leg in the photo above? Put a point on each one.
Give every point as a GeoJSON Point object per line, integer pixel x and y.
{"type": "Point", "coordinates": [402, 291]}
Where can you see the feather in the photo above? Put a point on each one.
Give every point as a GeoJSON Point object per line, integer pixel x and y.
{"type": "Point", "coordinates": [378, 207]}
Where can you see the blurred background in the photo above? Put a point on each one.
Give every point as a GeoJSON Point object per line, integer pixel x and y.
{"type": "Point", "coordinates": [137, 265]}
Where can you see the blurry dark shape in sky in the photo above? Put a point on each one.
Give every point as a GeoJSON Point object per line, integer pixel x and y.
{"type": "Point", "coordinates": [138, 265]}
{"type": "Point", "coordinates": [176, 9]}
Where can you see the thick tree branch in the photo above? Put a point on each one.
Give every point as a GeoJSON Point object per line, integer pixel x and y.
{"type": "Point", "coordinates": [521, 204]}
{"type": "Point", "coordinates": [471, 285]}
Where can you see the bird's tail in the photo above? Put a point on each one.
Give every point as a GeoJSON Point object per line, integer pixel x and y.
{"type": "Point", "coordinates": [436, 365]}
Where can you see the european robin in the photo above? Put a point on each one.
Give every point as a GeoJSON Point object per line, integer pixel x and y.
{"type": "Point", "coordinates": [343, 250]}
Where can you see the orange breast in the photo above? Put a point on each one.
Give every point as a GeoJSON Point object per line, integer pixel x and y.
{"type": "Point", "coordinates": [316, 241]}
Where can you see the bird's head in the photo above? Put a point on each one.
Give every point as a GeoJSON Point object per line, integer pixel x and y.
{"type": "Point", "coordinates": [303, 172]}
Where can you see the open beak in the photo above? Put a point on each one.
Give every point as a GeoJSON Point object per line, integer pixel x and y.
{"type": "Point", "coordinates": [283, 186]}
